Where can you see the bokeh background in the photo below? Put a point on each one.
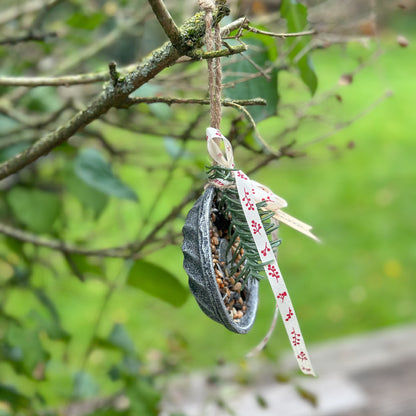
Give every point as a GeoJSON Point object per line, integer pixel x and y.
{"type": "Point", "coordinates": [352, 176]}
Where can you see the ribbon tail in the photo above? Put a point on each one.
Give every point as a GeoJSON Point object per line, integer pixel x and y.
{"type": "Point", "coordinates": [271, 268]}
{"type": "Point", "coordinates": [296, 224]}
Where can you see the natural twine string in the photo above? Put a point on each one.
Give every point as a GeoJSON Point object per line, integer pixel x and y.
{"type": "Point", "coordinates": [213, 42]}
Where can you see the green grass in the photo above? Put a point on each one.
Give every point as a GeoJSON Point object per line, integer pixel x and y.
{"type": "Point", "coordinates": [360, 202]}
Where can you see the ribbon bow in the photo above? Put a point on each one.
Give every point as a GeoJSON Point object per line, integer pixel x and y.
{"type": "Point", "coordinates": [250, 192]}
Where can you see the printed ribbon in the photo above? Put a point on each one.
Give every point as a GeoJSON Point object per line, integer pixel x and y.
{"type": "Point", "coordinates": [250, 192]}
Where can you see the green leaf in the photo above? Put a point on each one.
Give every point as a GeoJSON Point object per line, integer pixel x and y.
{"type": "Point", "coordinates": [161, 110]}
{"type": "Point", "coordinates": [94, 170]}
{"type": "Point", "coordinates": [127, 370]}
{"type": "Point", "coordinates": [144, 397]}
{"type": "Point", "coordinates": [36, 209]}
{"type": "Point", "coordinates": [120, 338]}
{"type": "Point", "coordinates": [52, 326]}
{"type": "Point", "coordinates": [157, 282]}
{"type": "Point", "coordinates": [15, 399]}
{"type": "Point", "coordinates": [85, 265]}
{"type": "Point", "coordinates": [86, 194]}
{"type": "Point", "coordinates": [175, 150]}
{"type": "Point", "coordinates": [23, 350]}
{"type": "Point", "coordinates": [84, 386]}
{"type": "Point", "coordinates": [296, 15]}
{"type": "Point", "coordinates": [307, 73]}
{"type": "Point", "coordinates": [88, 22]}
{"type": "Point", "coordinates": [12, 150]}
{"type": "Point", "coordinates": [42, 100]}
{"type": "Point", "coordinates": [263, 56]}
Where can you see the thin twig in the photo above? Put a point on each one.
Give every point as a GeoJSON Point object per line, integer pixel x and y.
{"type": "Point", "coordinates": [343, 125]}
{"type": "Point", "coordinates": [237, 24]}
{"type": "Point", "coordinates": [30, 37]}
{"type": "Point", "coordinates": [280, 35]}
{"type": "Point", "coordinates": [112, 96]}
{"type": "Point", "coordinates": [257, 66]}
{"type": "Point", "coordinates": [151, 236]}
{"type": "Point", "coordinates": [126, 251]}
{"type": "Point", "coordinates": [171, 100]}
{"type": "Point", "coordinates": [60, 245]}
{"type": "Point", "coordinates": [230, 50]}
{"type": "Point", "coordinates": [101, 76]}
{"type": "Point", "coordinates": [253, 123]}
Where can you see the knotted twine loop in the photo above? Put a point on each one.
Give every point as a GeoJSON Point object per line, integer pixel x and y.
{"type": "Point", "coordinates": [213, 42]}
{"type": "Point", "coordinates": [251, 192]}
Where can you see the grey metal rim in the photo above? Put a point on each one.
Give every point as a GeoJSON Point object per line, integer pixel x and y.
{"type": "Point", "coordinates": [199, 267]}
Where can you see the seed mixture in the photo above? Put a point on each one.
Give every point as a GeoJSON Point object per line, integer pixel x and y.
{"type": "Point", "coordinates": [234, 294]}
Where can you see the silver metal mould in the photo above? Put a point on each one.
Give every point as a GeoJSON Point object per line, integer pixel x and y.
{"type": "Point", "coordinates": [198, 264]}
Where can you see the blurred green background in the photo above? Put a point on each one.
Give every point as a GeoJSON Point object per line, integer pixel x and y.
{"type": "Point", "coordinates": [356, 187]}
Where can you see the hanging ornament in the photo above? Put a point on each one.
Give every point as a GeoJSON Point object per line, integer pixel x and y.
{"type": "Point", "coordinates": [229, 245]}
{"type": "Point", "coordinates": [212, 257]}
{"type": "Point", "coordinates": [230, 240]}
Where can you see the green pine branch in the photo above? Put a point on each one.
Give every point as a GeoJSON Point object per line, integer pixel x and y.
{"type": "Point", "coordinates": [230, 207]}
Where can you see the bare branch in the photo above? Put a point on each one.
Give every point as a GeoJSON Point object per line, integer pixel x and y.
{"type": "Point", "coordinates": [237, 24]}
{"type": "Point", "coordinates": [55, 81]}
{"type": "Point", "coordinates": [170, 100]}
{"type": "Point", "coordinates": [230, 50]}
{"type": "Point", "coordinates": [101, 76]}
{"type": "Point", "coordinates": [112, 96]}
{"type": "Point", "coordinates": [279, 35]}
{"type": "Point", "coordinates": [345, 124]}
{"type": "Point", "coordinates": [28, 38]}
{"type": "Point", "coordinates": [254, 125]}
{"type": "Point", "coordinates": [166, 21]}
{"type": "Point", "coordinates": [60, 245]}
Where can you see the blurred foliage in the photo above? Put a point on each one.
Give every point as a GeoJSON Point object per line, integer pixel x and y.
{"type": "Point", "coordinates": [100, 331]}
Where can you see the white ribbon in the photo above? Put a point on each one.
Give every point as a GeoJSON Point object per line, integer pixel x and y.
{"type": "Point", "coordinates": [251, 192]}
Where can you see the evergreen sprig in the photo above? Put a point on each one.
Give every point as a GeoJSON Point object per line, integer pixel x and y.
{"type": "Point", "coordinates": [229, 206]}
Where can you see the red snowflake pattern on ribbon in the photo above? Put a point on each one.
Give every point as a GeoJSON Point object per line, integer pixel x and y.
{"type": "Point", "coordinates": [295, 337]}
{"type": "Point", "coordinates": [281, 296]}
{"type": "Point", "coordinates": [271, 269]}
{"type": "Point", "coordinates": [265, 250]}
{"type": "Point", "coordinates": [256, 227]}
{"type": "Point", "coordinates": [289, 315]}
{"type": "Point", "coordinates": [242, 175]}
{"type": "Point", "coordinates": [248, 202]}
{"type": "Point", "coordinates": [250, 193]}
{"type": "Point", "coordinates": [302, 356]}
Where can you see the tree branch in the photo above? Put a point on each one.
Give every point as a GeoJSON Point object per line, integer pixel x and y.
{"type": "Point", "coordinates": [112, 96]}
{"type": "Point", "coordinates": [65, 80]}
{"type": "Point", "coordinates": [166, 21]}
{"type": "Point", "coordinates": [132, 250]}
{"type": "Point", "coordinates": [101, 76]}
{"type": "Point", "coordinates": [230, 50]}
{"type": "Point", "coordinates": [170, 100]}
{"type": "Point", "coordinates": [279, 35]}
{"type": "Point", "coordinates": [38, 37]}
{"type": "Point", "coordinates": [60, 245]}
